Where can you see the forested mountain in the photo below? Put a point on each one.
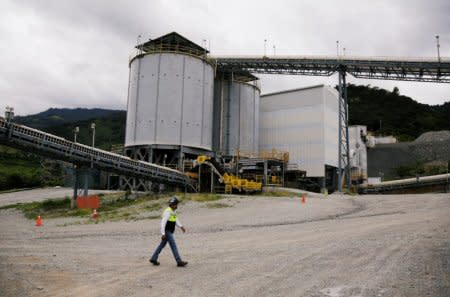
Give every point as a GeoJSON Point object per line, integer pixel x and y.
{"type": "Point", "coordinates": [389, 113]}
{"type": "Point", "coordinates": [59, 116]}
{"type": "Point", "coordinates": [20, 169]}
{"type": "Point", "coordinates": [383, 112]}
{"type": "Point", "coordinates": [109, 124]}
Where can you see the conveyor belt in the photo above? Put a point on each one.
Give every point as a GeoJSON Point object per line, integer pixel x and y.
{"type": "Point", "coordinates": [386, 68]}
{"type": "Point", "coordinates": [408, 183]}
{"type": "Point", "coordinates": [42, 143]}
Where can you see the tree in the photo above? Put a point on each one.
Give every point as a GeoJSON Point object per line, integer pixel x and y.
{"type": "Point", "coordinates": [396, 91]}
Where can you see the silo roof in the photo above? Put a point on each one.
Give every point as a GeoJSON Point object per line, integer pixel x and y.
{"type": "Point", "coordinates": [172, 42]}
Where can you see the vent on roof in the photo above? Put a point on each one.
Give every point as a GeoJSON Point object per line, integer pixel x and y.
{"type": "Point", "coordinates": [172, 42]}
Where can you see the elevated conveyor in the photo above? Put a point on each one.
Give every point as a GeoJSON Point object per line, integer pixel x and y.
{"type": "Point", "coordinates": [422, 184]}
{"type": "Point", "coordinates": [39, 142]}
{"type": "Point", "coordinates": [386, 68]}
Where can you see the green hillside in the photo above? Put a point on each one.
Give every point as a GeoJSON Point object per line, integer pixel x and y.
{"type": "Point", "coordinates": [23, 170]}
{"type": "Point", "coordinates": [109, 130]}
{"type": "Point", "coordinates": [398, 115]}
{"type": "Point", "coordinates": [18, 169]}
{"type": "Point", "coordinates": [61, 116]}
{"type": "Point", "coordinates": [389, 113]}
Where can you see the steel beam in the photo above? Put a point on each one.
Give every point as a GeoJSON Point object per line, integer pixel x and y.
{"type": "Point", "coordinates": [55, 147]}
{"type": "Point", "coordinates": [407, 69]}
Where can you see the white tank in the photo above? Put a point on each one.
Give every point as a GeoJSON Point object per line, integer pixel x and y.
{"type": "Point", "coordinates": [358, 151]}
{"type": "Point", "coordinates": [170, 101]}
{"type": "Point", "coordinates": [236, 117]}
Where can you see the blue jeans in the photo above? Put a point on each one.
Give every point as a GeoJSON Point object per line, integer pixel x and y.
{"type": "Point", "coordinates": [173, 246]}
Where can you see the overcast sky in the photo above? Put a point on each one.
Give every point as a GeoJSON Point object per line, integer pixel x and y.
{"type": "Point", "coordinates": [65, 53]}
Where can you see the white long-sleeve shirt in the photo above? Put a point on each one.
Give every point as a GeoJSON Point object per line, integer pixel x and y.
{"type": "Point", "coordinates": [165, 218]}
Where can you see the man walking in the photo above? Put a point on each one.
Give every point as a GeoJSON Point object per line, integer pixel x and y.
{"type": "Point", "coordinates": [168, 223]}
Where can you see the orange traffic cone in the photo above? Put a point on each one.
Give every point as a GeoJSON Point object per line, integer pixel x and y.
{"type": "Point", "coordinates": [94, 214]}
{"type": "Point", "coordinates": [303, 199]}
{"type": "Point", "coordinates": [39, 221]}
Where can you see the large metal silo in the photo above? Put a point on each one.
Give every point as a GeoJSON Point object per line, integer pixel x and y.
{"type": "Point", "coordinates": [170, 101]}
{"type": "Point", "coordinates": [236, 114]}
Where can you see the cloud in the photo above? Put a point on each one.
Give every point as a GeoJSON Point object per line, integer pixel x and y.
{"type": "Point", "coordinates": [75, 53]}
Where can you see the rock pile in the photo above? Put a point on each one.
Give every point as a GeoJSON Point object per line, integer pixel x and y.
{"type": "Point", "coordinates": [428, 147]}
{"type": "Point", "coordinates": [434, 136]}
{"type": "Point", "coordinates": [432, 146]}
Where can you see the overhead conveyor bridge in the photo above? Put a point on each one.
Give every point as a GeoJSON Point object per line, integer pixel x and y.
{"type": "Point", "coordinates": [386, 68]}
{"type": "Point", "coordinates": [42, 143]}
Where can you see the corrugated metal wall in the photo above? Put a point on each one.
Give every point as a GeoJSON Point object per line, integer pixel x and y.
{"type": "Point", "coordinates": [236, 117]}
{"type": "Point", "coordinates": [331, 125]}
{"type": "Point", "coordinates": [358, 150]}
{"type": "Point", "coordinates": [170, 101]}
{"type": "Point", "coordinates": [304, 123]}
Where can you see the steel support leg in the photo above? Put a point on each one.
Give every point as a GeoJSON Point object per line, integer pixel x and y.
{"type": "Point", "coordinates": [212, 181]}
{"type": "Point", "coordinates": [265, 173]}
{"type": "Point", "coordinates": [228, 118]}
{"type": "Point", "coordinates": [343, 150]}
{"type": "Point", "coordinates": [347, 141]}
{"type": "Point", "coordinates": [75, 187]}
{"type": "Point", "coordinates": [86, 182]}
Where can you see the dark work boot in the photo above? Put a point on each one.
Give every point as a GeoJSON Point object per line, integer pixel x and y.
{"type": "Point", "coordinates": [182, 264]}
{"type": "Point", "coordinates": [156, 263]}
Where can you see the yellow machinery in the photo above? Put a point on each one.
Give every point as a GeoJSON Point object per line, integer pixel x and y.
{"type": "Point", "coordinates": [202, 159]}
{"type": "Point", "coordinates": [231, 181]}
{"type": "Point", "coordinates": [241, 184]}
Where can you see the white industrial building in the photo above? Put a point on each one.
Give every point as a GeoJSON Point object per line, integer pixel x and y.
{"type": "Point", "coordinates": [357, 136]}
{"type": "Point", "coordinates": [180, 107]}
{"type": "Point", "coordinates": [303, 122]}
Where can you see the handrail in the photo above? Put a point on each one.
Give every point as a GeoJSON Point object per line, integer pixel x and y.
{"type": "Point", "coordinates": [169, 48]}
{"type": "Point", "coordinates": [334, 58]}
{"type": "Point", "coordinates": [273, 154]}
{"type": "Point", "coordinates": [57, 147]}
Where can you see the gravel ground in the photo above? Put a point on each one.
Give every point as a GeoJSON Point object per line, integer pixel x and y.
{"type": "Point", "coordinates": [40, 194]}
{"type": "Point", "coordinates": [258, 246]}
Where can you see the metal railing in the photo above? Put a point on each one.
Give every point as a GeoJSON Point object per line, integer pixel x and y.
{"type": "Point", "coordinates": [273, 154]}
{"type": "Point", "coordinates": [169, 48]}
{"type": "Point", "coordinates": [46, 144]}
{"type": "Point", "coordinates": [386, 68]}
{"type": "Point", "coordinates": [415, 182]}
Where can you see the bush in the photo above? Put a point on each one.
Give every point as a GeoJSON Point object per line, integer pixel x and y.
{"type": "Point", "coordinates": [410, 170]}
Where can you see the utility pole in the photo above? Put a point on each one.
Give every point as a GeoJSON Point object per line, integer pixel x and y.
{"type": "Point", "coordinates": [75, 132]}
{"type": "Point", "coordinates": [265, 44]}
{"type": "Point", "coordinates": [204, 44]}
{"type": "Point", "coordinates": [9, 114]}
{"type": "Point", "coordinates": [438, 46]}
{"type": "Point", "coordinates": [93, 134]}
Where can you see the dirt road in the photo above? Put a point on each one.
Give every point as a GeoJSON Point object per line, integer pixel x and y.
{"type": "Point", "coordinates": [40, 195]}
{"type": "Point", "coordinates": [336, 246]}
